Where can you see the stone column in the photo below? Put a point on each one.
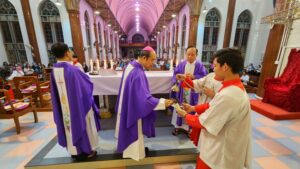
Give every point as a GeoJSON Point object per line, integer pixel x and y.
{"type": "Point", "coordinates": [31, 31]}
{"type": "Point", "coordinates": [268, 65]}
{"type": "Point", "coordinates": [96, 38]}
{"type": "Point", "coordinates": [76, 34]}
{"type": "Point", "coordinates": [229, 21]}
{"type": "Point", "coordinates": [195, 7]}
{"type": "Point", "coordinates": [73, 11]}
{"type": "Point", "coordinates": [193, 30]}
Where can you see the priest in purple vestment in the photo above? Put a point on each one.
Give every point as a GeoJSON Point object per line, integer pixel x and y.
{"type": "Point", "coordinates": [75, 113]}
{"type": "Point", "coordinates": [135, 107]}
{"type": "Point", "coordinates": [195, 70]}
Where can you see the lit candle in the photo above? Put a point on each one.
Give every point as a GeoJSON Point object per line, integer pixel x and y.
{"type": "Point", "coordinates": [91, 65]}
{"type": "Point", "coordinates": [97, 64]}
{"type": "Point", "coordinates": [177, 62]}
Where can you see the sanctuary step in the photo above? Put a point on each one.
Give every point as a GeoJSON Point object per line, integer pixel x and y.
{"type": "Point", "coordinates": [164, 148]}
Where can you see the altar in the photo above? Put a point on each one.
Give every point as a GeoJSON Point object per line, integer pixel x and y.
{"type": "Point", "coordinates": [108, 84]}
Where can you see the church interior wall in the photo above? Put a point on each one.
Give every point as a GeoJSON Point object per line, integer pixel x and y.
{"type": "Point", "coordinates": [185, 11]}
{"type": "Point", "coordinates": [90, 52]}
{"type": "Point", "coordinates": [102, 28]}
{"type": "Point", "coordinates": [65, 23]}
{"type": "Point", "coordinates": [221, 6]}
{"type": "Point", "coordinates": [133, 31]}
{"type": "Point", "coordinates": [18, 7]}
{"type": "Point", "coordinates": [170, 29]}
{"type": "Point", "coordinates": [258, 34]}
{"type": "Point", "coordinates": [3, 55]}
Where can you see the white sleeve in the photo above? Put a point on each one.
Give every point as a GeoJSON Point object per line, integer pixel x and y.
{"type": "Point", "coordinates": [198, 84]}
{"type": "Point", "coordinates": [218, 114]}
{"type": "Point", "coordinates": [161, 104]}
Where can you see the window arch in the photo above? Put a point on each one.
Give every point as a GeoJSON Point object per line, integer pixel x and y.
{"type": "Point", "coordinates": [183, 34]}
{"type": "Point", "coordinates": [138, 38]}
{"type": "Point", "coordinates": [211, 33]}
{"type": "Point", "coordinates": [51, 23]}
{"type": "Point", "coordinates": [173, 36]}
{"type": "Point", "coordinates": [100, 38]}
{"type": "Point", "coordinates": [12, 36]}
{"type": "Point", "coordinates": [87, 28]}
{"type": "Point", "coordinates": [242, 31]}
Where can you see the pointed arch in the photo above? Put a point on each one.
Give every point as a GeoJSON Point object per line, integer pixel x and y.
{"type": "Point", "coordinates": [51, 24]}
{"type": "Point", "coordinates": [11, 32]}
{"type": "Point", "coordinates": [183, 35]}
{"type": "Point", "coordinates": [242, 31]}
{"type": "Point", "coordinates": [211, 34]}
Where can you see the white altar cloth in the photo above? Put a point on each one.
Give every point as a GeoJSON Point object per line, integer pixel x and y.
{"type": "Point", "coordinates": [159, 82]}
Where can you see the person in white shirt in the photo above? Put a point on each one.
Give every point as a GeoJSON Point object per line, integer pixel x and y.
{"type": "Point", "coordinates": [225, 140]}
{"type": "Point", "coordinates": [245, 78]}
{"type": "Point", "coordinates": [18, 72]}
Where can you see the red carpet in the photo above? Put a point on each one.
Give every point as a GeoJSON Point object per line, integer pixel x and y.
{"type": "Point", "coordinates": [272, 111]}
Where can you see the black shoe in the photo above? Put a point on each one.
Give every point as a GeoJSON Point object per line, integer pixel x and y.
{"type": "Point", "coordinates": [146, 151]}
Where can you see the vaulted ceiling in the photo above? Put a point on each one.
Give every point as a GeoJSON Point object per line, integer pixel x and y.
{"type": "Point", "coordinates": [125, 15]}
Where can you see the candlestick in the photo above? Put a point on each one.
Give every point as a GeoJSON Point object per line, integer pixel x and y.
{"type": "Point", "coordinates": [91, 65]}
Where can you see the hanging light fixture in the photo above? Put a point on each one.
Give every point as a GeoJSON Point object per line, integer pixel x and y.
{"type": "Point", "coordinates": [204, 10]}
{"type": "Point", "coordinates": [97, 11]}
{"type": "Point", "coordinates": [58, 3]}
{"type": "Point", "coordinates": [173, 14]}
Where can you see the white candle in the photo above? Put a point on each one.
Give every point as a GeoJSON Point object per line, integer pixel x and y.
{"type": "Point", "coordinates": [177, 62]}
{"type": "Point", "coordinates": [105, 64]}
{"type": "Point", "coordinates": [91, 65]}
{"type": "Point", "coordinates": [171, 64]}
{"type": "Point", "coordinates": [111, 64]}
{"type": "Point", "coordinates": [97, 63]}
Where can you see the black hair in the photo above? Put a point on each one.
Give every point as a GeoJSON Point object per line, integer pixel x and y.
{"type": "Point", "coordinates": [59, 49]}
{"type": "Point", "coordinates": [75, 56]}
{"type": "Point", "coordinates": [232, 57]}
{"type": "Point", "coordinates": [192, 47]}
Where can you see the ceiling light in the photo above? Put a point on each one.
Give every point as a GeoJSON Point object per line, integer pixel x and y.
{"type": "Point", "coordinates": [164, 26]}
{"type": "Point", "coordinates": [116, 31]}
{"type": "Point", "coordinates": [58, 3]}
{"type": "Point", "coordinates": [137, 9]}
{"type": "Point", "coordinates": [158, 32]}
{"type": "Point", "coordinates": [109, 25]}
{"type": "Point", "coordinates": [97, 12]}
{"type": "Point", "coordinates": [137, 16]}
{"type": "Point", "coordinates": [173, 15]}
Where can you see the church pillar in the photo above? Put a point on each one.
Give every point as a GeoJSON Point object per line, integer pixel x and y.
{"type": "Point", "coordinates": [30, 31]}
{"type": "Point", "coordinates": [229, 21]}
{"type": "Point", "coordinates": [268, 65]}
{"type": "Point", "coordinates": [195, 7]}
{"type": "Point", "coordinates": [76, 34]}
{"type": "Point", "coordinates": [176, 44]}
{"type": "Point", "coordinates": [96, 39]}
{"type": "Point", "coordinates": [73, 11]}
{"type": "Point", "coordinates": [193, 30]}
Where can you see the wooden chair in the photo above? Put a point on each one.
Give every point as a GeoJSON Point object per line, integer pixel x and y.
{"type": "Point", "coordinates": [13, 109]}
{"type": "Point", "coordinates": [26, 86]}
{"type": "Point", "coordinates": [47, 73]}
{"type": "Point", "coordinates": [43, 92]}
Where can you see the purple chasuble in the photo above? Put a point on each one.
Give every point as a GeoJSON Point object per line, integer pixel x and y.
{"type": "Point", "coordinates": [199, 72]}
{"type": "Point", "coordinates": [80, 96]}
{"type": "Point", "coordinates": [137, 103]}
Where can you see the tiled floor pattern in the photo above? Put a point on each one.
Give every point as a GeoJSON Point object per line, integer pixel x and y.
{"type": "Point", "coordinates": [276, 144]}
